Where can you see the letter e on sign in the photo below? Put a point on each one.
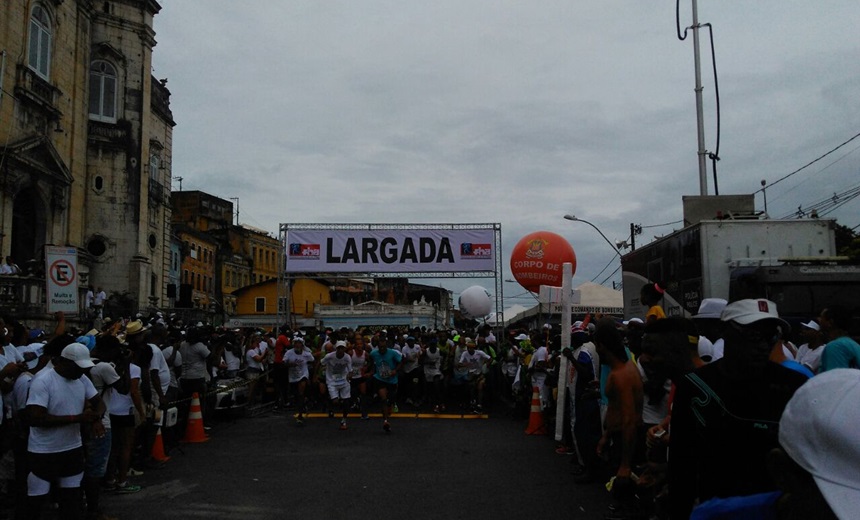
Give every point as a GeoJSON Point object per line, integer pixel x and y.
{"type": "Point", "coordinates": [62, 272]}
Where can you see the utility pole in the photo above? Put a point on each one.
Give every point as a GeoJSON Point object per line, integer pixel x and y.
{"type": "Point", "coordinates": [700, 118]}
{"type": "Point", "coordinates": [180, 182]}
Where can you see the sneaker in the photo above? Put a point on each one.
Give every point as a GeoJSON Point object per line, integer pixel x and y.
{"type": "Point", "coordinates": [395, 409]}
{"type": "Point", "coordinates": [563, 450]}
{"type": "Point", "coordinates": [126, 489]}
{"type": "Point", "coordinates": [343, 425]}
{"type": "Point", "coordinates": [386, 426]}
{"type": "Point", "coordinates": [109, 485]}
{"type": "Point", "coordinates": [436, 409]}
{"type": "Point", "coordinates": [134, 472]}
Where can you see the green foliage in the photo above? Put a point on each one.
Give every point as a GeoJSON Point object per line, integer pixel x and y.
{"type": "Point", "coordinates": [848, 243]}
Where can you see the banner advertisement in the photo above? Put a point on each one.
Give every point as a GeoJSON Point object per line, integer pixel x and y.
{"type": "Point", "coordinates": [61, 268]}
{"type": "Point", "coordinates": [391, 251]}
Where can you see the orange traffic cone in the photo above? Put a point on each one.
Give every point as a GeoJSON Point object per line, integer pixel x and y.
{"type": "Point", "coordinates": [536, 425]}
{"type": "Point", "coordinates": [194, 430]}
{"type": "Point", "coordinates": [158, 448]}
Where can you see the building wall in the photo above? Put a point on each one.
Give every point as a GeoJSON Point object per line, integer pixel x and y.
{"type": "Point", "coordinates": [198, 267]}
{"type": "Point", "coordinates": [81, 182]}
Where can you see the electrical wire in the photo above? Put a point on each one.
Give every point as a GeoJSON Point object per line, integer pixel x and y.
{"type": "Point", "coordinates": [807, 165]}
{"type": "Point", "coordinates": [661, 225]}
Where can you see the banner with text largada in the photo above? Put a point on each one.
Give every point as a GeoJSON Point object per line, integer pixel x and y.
{"type": "Point", "coordinates": [390, 251]}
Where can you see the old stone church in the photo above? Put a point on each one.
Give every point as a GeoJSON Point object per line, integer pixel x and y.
{"type": "Point", "coordinates": [85, 142]}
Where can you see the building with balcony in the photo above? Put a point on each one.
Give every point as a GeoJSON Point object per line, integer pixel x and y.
{"type": "Point", "coordinates": [86, 136]}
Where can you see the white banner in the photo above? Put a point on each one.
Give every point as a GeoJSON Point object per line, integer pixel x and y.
{"type": "Point", "coordinates": [391, 251]}
{"type": "Point", "coordinates": [61, 267]}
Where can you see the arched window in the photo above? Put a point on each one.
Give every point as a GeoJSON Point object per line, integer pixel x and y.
{"type": "Point", "coordinates": [39, 57]}
{"type": "Point", "coordinates": [102, 91]}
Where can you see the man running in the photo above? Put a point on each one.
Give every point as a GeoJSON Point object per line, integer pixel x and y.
{"type": "Point", "coordinates": [384, 366]}
{"type": "Point", "coordinates": [297, 359]}
{"type": "Point", "coordinates": [338, 366]}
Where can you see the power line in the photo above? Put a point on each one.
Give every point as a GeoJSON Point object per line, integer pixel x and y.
{"type": "Point", "coordinates": [806, 165]}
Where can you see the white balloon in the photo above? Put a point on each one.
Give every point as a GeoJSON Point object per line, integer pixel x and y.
{"type": "Point", "coordinates": [475, 302]}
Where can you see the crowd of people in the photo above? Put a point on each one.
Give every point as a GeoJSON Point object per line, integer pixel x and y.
{"type": "Point", "coordinates": [677, 416]}
{"type": "Point", "coordinates": [730, 414]}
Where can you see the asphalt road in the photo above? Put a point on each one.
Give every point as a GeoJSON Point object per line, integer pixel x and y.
{"type": "Point", "coordinates": [427, 468]}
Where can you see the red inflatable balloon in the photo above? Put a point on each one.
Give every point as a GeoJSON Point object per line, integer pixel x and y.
{"type": "Point", "coordinates": [537, 260]}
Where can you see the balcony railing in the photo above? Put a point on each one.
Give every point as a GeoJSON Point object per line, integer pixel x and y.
{"type": "Point", "coordinates": [23, 298]}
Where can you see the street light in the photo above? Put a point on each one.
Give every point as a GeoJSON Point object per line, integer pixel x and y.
{"type": "Point", "coordinates": [575, 219]}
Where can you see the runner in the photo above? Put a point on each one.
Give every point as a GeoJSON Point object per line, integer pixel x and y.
{"type": "Point", "coordinates": [358, 378]}
{"type": "Point", "coordinates": [473, 361]}
{"type": "Point", "coordinates": [385, 364]}
{"type": "Point", "coordinates": [297, 359]}
{"type": "Point", "coordinates": [338, 367]}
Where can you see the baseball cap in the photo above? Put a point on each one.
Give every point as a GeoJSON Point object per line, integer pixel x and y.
{"type": "Point", "coordinates": [470, 341]}
{"type": "Point", "coordinates": [79, 354]}
{"type": "Point", "coordinates": [340, 344]}
{"type": "Point", "coordinates": [818, 430]}
{"type": "Point", "coordinates": [711, 308]}
{"type": "Point", "coordinates": [747, 312]}
{"type": "Point", "coordinates": [635, 321]}
{"type": "Point", "coordinates": [521, 337]}
{"type": "Point", "coordinates": [811, 325]}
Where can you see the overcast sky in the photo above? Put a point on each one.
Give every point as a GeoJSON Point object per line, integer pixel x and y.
{"type": "Point", "coordinates": [512, 112]}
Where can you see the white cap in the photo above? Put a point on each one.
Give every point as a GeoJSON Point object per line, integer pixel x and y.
{"type": "Point", "coordinates": [811, 325]}
{"type": "Point", "coordinates": [522, 337]}
{"type": "Point", "coordinates": [746, 312]}
{"type": "Point", "coordinates": [340, 343]}
{"type": "Point", "coordinates": [634, 320]}
{"type": "Point", "coordinates": [711, 308]}
{"type": "Point", "coordinates": [79, 354]}
{"type": "Point", "coordinates": [818, 430]}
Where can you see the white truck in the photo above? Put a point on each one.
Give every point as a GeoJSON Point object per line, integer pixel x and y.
{"type": "Point", "coordinates": [791, 262]}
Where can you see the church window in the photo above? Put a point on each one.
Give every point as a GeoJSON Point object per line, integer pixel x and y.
{"type": "Point", "coordinates": [103, 92]}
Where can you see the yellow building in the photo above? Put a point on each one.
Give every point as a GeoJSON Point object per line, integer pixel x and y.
{"type": "Point", "coordinates": [86, 139]}
{"type": "Point", "coordinates": [259, 304]}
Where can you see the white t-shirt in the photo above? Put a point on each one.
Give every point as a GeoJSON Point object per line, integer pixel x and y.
{"type": "Point", "coordinates": [811, 358]}
{"type": "Point", "coordinates": [358, 363]}
{"type": "Point", "coordinates": [297, 364]}
{"type": "Point", "coordinates": [539, 376]}
{"type": "Point", "coordinates": [121, 404]}
{"type": "Point", "coordinates": [159, 363]}
{"type": "Point", "coordinates": [337, 369]}
{"type": "Point", "coordinates": [103, 375]}
{"type": "Point", "coordinates": [232, 361]}
{"type": "Point", "coordinates": [177, 362]}
{"type": "Point", "coordinates": [193, 360]}
{"type": "Point", "coordinates": [410, 358]}
{"type": "Point", "coordinates": [17, 399]}
{"type": "Point", "coordinates": [249, 359]}
{"type": "Point", "coordinates": [432, 363]}
{"type": "Point", "coordinates": [60, 396]}
{"type": "Point", "coordinates": [474, 361]}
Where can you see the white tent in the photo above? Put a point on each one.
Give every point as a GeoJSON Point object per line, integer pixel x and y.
{"type": "Point", "coordinates": [593, 298]}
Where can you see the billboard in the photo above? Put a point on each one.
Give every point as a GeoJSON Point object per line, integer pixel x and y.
{"type": "Point", "coordinates": [390, 251]}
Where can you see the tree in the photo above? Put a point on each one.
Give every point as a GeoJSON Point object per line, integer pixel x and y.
{"type": "Point", "coordinates": [848, 243]}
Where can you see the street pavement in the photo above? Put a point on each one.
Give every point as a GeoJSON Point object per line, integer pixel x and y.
{"type": "Point", "coordinates": [428, 468]}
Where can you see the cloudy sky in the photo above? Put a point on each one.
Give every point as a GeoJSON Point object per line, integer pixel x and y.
{"type": "Point", "coordinates": [512, 112]}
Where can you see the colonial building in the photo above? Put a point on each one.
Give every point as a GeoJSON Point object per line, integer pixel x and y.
{"type": "Point", "coordinates": [86, 142]}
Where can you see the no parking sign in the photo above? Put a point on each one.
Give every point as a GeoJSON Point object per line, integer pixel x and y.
{"type": "Point", "coordinates": [61, 267]}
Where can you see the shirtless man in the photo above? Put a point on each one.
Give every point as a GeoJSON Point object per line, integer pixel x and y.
{"type": "Point", "coordinates": [624, 410]}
